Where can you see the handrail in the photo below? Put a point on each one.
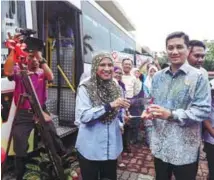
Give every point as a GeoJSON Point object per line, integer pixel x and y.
{"type": "Point", "coordinates": [66, 78]}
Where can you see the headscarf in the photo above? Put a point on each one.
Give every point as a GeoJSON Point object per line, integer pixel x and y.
{"type": "Point", "coordinates": [102, 91]}
{"type": "Point", "coordinates": [134, 70]}
{"type": "Point", "coordinates": [120, 82]}
{"type": "Point", "coordinates": [148, 81]}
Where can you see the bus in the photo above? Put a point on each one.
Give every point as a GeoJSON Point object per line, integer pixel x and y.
{"type": "Point", "coordinates": [73, 31]}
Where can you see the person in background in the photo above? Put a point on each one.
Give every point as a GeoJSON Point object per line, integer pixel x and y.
{"type": "Point", "coordinates": [196, 57]}
{"type": "Point", "coordinates": [98, 108]}
{"type": "Point", "coordinates": [182, 101]}
{"type": "Point", "coordinates": [165, 65]}
{"type": "Point", "coordinates": [208, 136]}
{"type": "Point", "coordinates": [137, 108]}
{"type": "Point", "coordinates": [147, 88]}
{"type": "Point", "coordinates": [118, 76]}
{"type": "Point", "coordinates": [148, 81]}
{"type": "Point", "coordinates": [133, 87]}
{"type": "Point", "coordinates": [156, 63]}
{"type": "Point", "coordinates": [124, 120]}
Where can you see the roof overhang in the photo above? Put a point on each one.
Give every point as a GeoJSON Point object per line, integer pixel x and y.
{"type": "Point", "coordinates": [116, 11]}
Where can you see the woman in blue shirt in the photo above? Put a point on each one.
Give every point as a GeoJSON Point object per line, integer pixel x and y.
{"type": "Point", "coordinates": [98, 104]}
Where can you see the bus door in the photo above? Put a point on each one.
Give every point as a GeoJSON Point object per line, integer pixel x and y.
{"type": "Point", "coordinates": [59, 26]}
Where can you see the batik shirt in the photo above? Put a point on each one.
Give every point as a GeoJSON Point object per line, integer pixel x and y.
{"type": "Point", "coordinates": [187, 93]}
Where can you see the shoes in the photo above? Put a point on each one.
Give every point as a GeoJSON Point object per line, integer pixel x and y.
{"type": "Point", "coordinates": [127, 150]}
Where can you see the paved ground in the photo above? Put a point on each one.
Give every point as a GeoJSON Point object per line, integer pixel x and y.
{"type": "Point", "coordinates": [140, 166]}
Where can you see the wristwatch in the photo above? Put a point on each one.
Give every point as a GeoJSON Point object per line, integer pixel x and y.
{"type": "Point", "coordinates": [171, 117]}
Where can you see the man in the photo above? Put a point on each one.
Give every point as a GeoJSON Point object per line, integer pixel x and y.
{"type": "Point", "coordinates": [133, 87]}
{"type": "Point", "coordinates": [39, 73]}
{"type": "Point", "coordinates": [181, 102]}
{"type": "Point", "coordinates": [197, 55]}
{"type": "Point", "coordinates": [208, 136]}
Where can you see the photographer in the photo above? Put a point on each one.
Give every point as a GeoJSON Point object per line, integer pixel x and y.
{"type": "Point", "coordinates": [24, 122]}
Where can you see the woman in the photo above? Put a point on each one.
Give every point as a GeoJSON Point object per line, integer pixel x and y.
{"type": "Point", "coordinates": [147, 87]}
{"type": "Point", "coordinates": [98, 104]}
{"type": "Point", "coordinates": [118, 76]}
{"type": "Point", "coordinates": [148, 81]}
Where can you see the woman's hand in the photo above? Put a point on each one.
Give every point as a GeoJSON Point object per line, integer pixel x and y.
{"type": "Point", "coordinates": [120, 103]}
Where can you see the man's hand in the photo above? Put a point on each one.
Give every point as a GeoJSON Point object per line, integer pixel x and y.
{"type": "Point", "coordinates": [120, 103]}
{"type": "Point", "coordinates": [47, 117]}
{"type": "Point", "coordinates": [122, 129]}
{"type": "Point", "coordinates": [158, 112]}
{"type": "Point", "coordinates": [208, 125]}
{"type": "Point", "coordinates": [212, 132]}
{"type": "Point", "coordinates": [146, 115]}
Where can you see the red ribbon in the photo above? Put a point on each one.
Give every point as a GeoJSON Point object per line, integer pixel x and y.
{"type": "Point", "coordinates": [19, 54]}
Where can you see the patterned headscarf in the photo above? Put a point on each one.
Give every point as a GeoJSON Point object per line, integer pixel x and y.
{"type": "Point", "coordinates": [102, 91]}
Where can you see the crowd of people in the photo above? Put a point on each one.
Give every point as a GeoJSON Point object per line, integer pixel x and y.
{"type": "Point", "coordinates": [173, 104]}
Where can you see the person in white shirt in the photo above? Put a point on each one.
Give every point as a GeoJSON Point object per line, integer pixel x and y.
{"type": "Point", "coordinates": [133, 87]}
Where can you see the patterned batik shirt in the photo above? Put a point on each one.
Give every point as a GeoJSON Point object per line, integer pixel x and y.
{"type": "Point", "coordinates": [187, 94]}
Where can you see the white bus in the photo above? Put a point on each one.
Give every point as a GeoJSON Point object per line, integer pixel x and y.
{"type": "Point", "coordinates": [73, 30]}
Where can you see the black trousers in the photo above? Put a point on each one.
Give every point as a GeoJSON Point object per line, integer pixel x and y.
{"type": "Point", "coordinates": [97, 170]}
{"type": "Point", "coordinates": [184, 172]}
{"type": "Point", "coordinates": [209, 149]}
{"type": "Point", "coordinates": [23, 125]}
{"type": "Point", "coordinates": [126, 136]}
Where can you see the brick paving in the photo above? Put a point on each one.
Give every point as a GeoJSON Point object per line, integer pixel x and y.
{"type": "Point", "coordinates": [140, 165]}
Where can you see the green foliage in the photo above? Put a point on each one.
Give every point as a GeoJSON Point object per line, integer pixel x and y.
{"type": "Point", "coordinates": [31, 175]}
{"type": "Point", "coordinates": [33, 167]}
{"type": "Point", "coordinates": [209, 60]}
{"type": "Point", "coordinates": [86, 45]}
{"type": "Point", "coordinates": [40, 167]}
{"type": "Point", "coordinates": [163, 59]}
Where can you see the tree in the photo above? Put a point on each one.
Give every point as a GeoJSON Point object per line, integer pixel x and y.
{"type": "Point", "coordinates": [86, 45]}
{"type": "Point", "coordinates": [209, 60]}
{"type": "Point", "coordinates": [162, 59]}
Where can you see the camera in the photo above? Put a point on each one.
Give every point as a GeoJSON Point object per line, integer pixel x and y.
{"type": "Point", "coordinates": [33, 44]}
{"type": "Point", "coordinates": [25, 32]}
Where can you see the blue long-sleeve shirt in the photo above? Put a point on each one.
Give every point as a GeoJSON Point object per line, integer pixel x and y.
{"type": "Point", "coordinates": [96, 140]}
{"type": "Point", "coordinates": [187, 94]}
